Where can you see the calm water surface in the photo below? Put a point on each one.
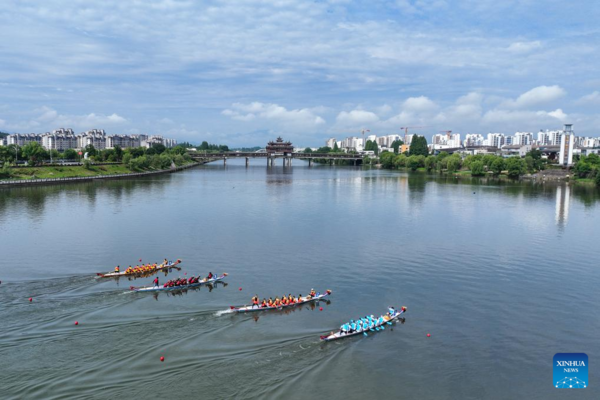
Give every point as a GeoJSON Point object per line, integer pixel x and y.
{"type": "Point", "coordinates": [503, 276]}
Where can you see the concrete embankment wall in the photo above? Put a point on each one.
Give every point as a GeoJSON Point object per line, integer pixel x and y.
{"type": "Point", "coordinates": [58, 181]}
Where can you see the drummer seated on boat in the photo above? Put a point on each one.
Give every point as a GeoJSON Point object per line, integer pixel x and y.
{"type": "Point", "coordinates": [117, 269]}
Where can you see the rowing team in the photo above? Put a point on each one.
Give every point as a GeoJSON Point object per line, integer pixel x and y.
{"type": "Point", "coordinates": [284, 301]}
{"type": "Point", "coordinates": [368, 322]}
{"type": "Point", "coordinates": [185, 282]}
{"type": "Point", "coordinates": [140, 269]}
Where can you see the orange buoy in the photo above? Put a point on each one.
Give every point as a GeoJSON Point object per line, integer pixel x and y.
{"type": "Point", "coordinates": [162, 359]}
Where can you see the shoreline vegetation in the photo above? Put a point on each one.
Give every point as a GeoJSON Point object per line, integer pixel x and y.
{"type": "Point", "coordinates": [586, 169]}
{"type": "Point", "coordinates": [99, 163]}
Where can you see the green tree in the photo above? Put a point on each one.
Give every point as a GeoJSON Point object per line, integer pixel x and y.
{"type": "Point", "coordinates": [418, 146]}
{"type": "Point", "coordinates": [396, 144]}
{"type": "Point", "coordinates": [453, 164]}
{"type": "Point", "coordinates": [203, 146]}
{"type": "Point", "coordinates": [413, 162]}
{"type": "Point", "coordinates": [91, 150]}
{"type": "Point", "coordinates": [477, 168]}
{"type": "Point", "coordinates": [400, 161]}
{"type": "Point", "coordinates": [582, 168]}
{"type": "Point", "coordinates": [5, 171]}
{"type": "Point", "coordinates": [497, 165]}
{"type": "Point", "coordinates": [336, 149]}
{"type": "Point", "coordinates": [70, 154]}
{"type": "Point", "coordinates": [386, 159]}
{"type": "Point", "coordinates": [308, 150]}
{"type": "Point", "coordinates": [118, 153]}
{"type": "Point", "coordinates": [324, 149]}
{"type": "Point", "coordinates": [515, 167]}
{"type": "Point", "coordinates": [430, 162]}
{"type": "Point", "coordinates": [488, 160]}
{"type": "Point", "coordinates": [597, 180]}
{"type": "Point", "coordinates": [34, 152]}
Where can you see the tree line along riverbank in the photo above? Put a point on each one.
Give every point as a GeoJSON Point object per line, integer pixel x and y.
{"type": "Point", "coordinates": [586, 169]}
{"type": "Point", "coordinates": [122, 161]}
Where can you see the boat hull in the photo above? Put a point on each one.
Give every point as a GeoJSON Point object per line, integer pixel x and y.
{"type": "Point", "coordinates": [123, 273]}
{"type": "Point", "coordinates": [172, 288]}
{"type": "Point", "coordinates": [339, 335]}
{"type": "Point", "coordinates": [247, 309]}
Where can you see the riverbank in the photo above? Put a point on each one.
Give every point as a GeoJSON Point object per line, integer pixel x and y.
{"type": "Point", "coordinates": [58, 175]}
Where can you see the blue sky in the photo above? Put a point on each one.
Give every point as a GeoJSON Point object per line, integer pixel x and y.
{"type": "Point", "coordinates": [244, 71]}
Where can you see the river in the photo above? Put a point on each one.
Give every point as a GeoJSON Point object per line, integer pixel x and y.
{"type": "Point", "coordinates": [502, 275]}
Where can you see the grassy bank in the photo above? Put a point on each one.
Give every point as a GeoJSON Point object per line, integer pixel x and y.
{"type": "Point", "coordinates": [71, 171]}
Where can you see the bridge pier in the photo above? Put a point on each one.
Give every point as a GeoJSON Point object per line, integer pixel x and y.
{"type": "Point", "coordinates": [247, 161]}
{"type": "Point", "coordinates": [331, 161]}
{"type": "Point", "coordinates": [224, 161]}
{"type": "Point", "coordinates": [310, 162]}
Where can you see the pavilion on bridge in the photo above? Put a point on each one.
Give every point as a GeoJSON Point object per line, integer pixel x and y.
{"type": "Point", "coordinates": [280, 147]}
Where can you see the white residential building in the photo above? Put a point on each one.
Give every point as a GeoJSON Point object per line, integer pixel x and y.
{"type": "Point", "coordinates": [523, 138]}
{"type": "Point", "coordinates": [21, 139]}
{"type": "Point", "coordinates": [123, 141]}
{"type": "Point", "coordinates": [495, 140]}
{"type": "Point", "coordinates": [473, 139]}
{"type": "Point", "coordinates": [59, 141]}
{"type": "Point", "coordinates": [330, 143]}
{"type": "Point", "coordinates": [94, 137]}
{"type": "Point", "coordinates": [351, 144]}
{"type": "Point", "coordinates": [543, 138]}
{"type": "Point", "coordinates": [567, 141]}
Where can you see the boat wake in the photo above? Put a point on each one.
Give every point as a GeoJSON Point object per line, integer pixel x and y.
{"type": "Point", "coordinates": [223, 312]}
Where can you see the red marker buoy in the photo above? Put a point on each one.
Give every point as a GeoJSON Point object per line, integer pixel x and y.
{"type": "Point", "coordinates": [30, 299]}
{"type": "Point", "coordinates": [429, 335]}
{"type": "Point", "coordinates": [320, 308]}
{"type": "Point", "coordinates": [240, 289]}
{"type": "Point", "coordinates": [140, 260]}
{"type": "Point", "coordinates": [185, 273]}
{"type": "Point", "coordinates": [162, 359]}
{"type": "Point", "coordinates": [76, 323]}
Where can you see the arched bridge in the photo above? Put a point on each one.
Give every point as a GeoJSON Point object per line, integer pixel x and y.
{"type": "Point", "coordinates": [271, 157]}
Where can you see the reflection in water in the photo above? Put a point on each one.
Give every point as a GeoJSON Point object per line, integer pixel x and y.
{"type": "Point", "coordinates": [563, 196]}
{"type": "Point", "coordinates": [32, 200]}
{"type": "Point", "coordinates": [279, 175]}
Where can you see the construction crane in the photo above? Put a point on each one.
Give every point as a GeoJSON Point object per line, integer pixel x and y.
{"type": "Point", "coordinates": [406, 128]}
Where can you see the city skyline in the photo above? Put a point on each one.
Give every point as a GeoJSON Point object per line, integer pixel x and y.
{"type": "Point", "coordinates": [245, 72]}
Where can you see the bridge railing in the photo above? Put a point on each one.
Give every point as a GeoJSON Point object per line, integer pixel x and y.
{"type": "Point", "coordinates": [196, 154]}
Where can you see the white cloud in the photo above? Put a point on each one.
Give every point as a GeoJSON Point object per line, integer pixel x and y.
{"type": "Point", "coordinates": [419, 105]}
{"type": "Point", "coordinates": [536, 96]}
{"type": "Point", "coordinates": [524, 47]}
{"type": "Point", "coordinates": [356, 118]}
{"type": "Point", "coordinates": [297, 118]}
{"type": "Point", "coordinates": [47, 119]}
{"type": "Point", "coordinates": [592, 98]}
{"type": "Point", "coordinates": [524, 119]}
